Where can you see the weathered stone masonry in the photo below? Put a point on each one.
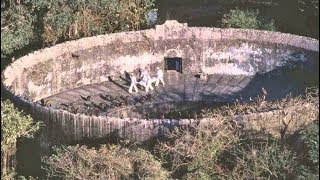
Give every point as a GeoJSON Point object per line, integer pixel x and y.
{"type": "Point", "coordinates": [91, 60]}
{"type": "Point", "coordinates": [203, 50]}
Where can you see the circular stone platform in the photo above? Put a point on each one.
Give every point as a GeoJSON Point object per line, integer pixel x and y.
{"type": "Point", "coordinates": [78, 88]}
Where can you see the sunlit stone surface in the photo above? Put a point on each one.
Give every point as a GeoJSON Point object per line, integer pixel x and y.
{"type": "Point", "coordinates": [80, 88]}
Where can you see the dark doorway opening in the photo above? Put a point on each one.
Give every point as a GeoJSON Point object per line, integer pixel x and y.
{"type": "Point", "coordinates": [173, 64]}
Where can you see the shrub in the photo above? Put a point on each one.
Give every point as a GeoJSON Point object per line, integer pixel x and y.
{"type": "Point", "coordinates": [194, 153]}
{"type": "Point", "coordinates": [287, 116]}
{"type": "Point", "coordinates": [242, 141]}
{"type": "Point", "coordinates": [146, 166]}
{"type": "Point", "coordinates": [14, 124]}
{"type": "Point", "coordinates": [263, 160]}
{"type": "Point", "coordinates": [108, 162]}
{"type": "Point", "coordinates": [79, 162]}
{"type": "Point", "coordinates": [310, 137]}
{"type": "Point", "coordinates": [246, 19]}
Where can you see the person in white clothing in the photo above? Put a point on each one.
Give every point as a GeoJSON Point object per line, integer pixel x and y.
{"type": "Point", "coordinates": [159, 76]}
{"type": "Point", "coordinates": [146, 80]}
{"type": "Point", "coordinates": [133, 83]}
{"type": "Point", "coordinates": [143, 73]}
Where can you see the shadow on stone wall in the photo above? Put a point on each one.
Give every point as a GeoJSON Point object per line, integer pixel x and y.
{"type": "Point", "coordinates": [292, 78]}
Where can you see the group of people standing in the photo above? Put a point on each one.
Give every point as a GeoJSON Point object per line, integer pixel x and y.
{"type": "Point", "coordinates": [146, 80]}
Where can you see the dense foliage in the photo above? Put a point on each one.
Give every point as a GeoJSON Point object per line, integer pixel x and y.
{"type": "Point", "coordinates": [258, 146]}
{"type": "Point", "coordinates": [246, 19]}
{"type": "Point", "coordinates": [16, 29]}
{"type": "Point", "coordinates": [14, 124]}
{"type": "Point", "coordinates": [310, 137]}
{"type": "Point", "coordinates": [107, 162]}
{"type": "Point", "coordinates": [43, 22]}
{"type": "Point", "coordinates": [66, 20]}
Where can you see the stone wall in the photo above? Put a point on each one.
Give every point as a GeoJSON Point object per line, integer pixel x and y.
{"type": "Point", "coordinates": [203, 50]}
{"type": "Point", "coordinates": [64, 127]}
{"type": "Point", "coordinates": [91, 60]}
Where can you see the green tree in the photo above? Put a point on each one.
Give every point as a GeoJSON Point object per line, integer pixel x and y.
{"type": "Point", "coordinates": [14, 124]}
{"type": "Point", "coordinates": [49, 22]}
{"type": "Point", "coordinates": [246, 19]}
{"type": "Point", "coordinates": [16, 29]}
{"type": "Point", "coordinates": [65, 20]}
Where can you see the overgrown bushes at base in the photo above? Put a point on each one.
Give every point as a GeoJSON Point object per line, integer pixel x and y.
{"type": "Point", "coordinates": [256, 146]}
{"type": "Point", "coordinates": [108, 162]}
